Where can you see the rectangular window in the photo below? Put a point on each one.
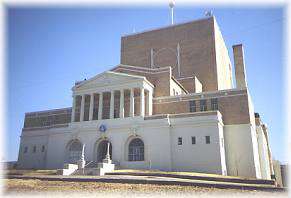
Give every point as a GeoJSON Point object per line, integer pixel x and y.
{"type": "Point", "coordinates": [193, 140]}
{"type": "Point", "coordinates": [25, 149]}
{"type": "Point", "coordinates": [42, 148]}
{"type": "Point", "coordinates": [180, 141]}
{"type": "Point", "coordinates": [214, 104]}
{"type": "Point", "coordinates": [192, 105]}
{"type": "Point", "coordinates": [207, 139]}
{"type": "Point", "coordinates": [34, 149]}
{"type": "Point", "coordinates": [203, 106]}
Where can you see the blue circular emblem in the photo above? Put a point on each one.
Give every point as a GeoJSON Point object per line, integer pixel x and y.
{"type": "Point", "coordinates": [102, 128]}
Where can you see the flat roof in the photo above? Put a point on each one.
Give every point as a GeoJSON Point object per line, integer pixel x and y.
{"type": "Point", "coordinates": [168, 26]}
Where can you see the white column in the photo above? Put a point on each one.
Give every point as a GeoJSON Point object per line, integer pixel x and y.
{"type": "Point", "coordinates": [82, 108]}
{"type": "Point", "coordinates": [150, 103]}
{"type": "Point", "coordinates": [131, 112]}
{"type": "Point", "coordinates": [142, 101]}
{"type": "Point", "coordinates": [73, 109]}
{"type": "Point", "coordinates": [100, 106]}
{"type": "Point", "coordinates": [112, 105]}
{"type": "Point", "coordinates": [91, 106]}
{"type": "Point", "coordinates": [121, 104]}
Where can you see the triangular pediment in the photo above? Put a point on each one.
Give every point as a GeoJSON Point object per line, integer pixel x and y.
{"type": "Point", "coordinates": [108, 78]}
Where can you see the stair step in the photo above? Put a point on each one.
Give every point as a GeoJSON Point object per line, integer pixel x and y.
{"type": "Point", "coordinates": [199, 177]}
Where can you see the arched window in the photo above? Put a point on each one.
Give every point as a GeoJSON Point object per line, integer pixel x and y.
{"type": "Point", "coordinates": [136, 150]}
{"type": "Point", "coordinates": [75, 151]}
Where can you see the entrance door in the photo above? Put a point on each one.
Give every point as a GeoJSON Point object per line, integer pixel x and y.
{"type": "Point", "coordinates": [102, 150]}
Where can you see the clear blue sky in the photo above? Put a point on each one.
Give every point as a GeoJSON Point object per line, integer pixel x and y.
{"type": "Point", "coordinates": [50, 48]}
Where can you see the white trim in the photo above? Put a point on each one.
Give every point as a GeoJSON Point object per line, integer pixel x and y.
{"type": "Point", "coordinates": [47, 111]}
{"type": "Point", "coordinates": [183, 100]}
{"type": "Point", "coordinates": [179, 84]}
{"type": "Point", "coordinates": [185, 78]}
{"type": "Point", "coordinates": [141, 68]}
{"type": "Point", "coordinates": [142, 71]}
{"type": "Point", "coordinates": [34, 116]}
{"type": "Point", "coordinates": [112, 73]}
{"type": "Point", "coordinates": [227, 91]}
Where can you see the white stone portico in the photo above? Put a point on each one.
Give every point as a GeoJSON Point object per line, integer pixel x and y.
{"type": "Point", "coordinates": [110, 82]}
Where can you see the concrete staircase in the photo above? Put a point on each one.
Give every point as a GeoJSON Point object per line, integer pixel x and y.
{"type": "Point", "coordinates": [91, 168]}
{"type": "Point", "coordinates": [198, 176]}
{"type": "Point", "coordinates": [100, 169]}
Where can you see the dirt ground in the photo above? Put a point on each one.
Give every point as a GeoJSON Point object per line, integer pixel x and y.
{"type": "Point", "coordinates": [15, 187]}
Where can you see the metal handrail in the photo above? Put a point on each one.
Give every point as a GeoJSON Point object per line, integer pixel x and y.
{"type": "Point", "coordinates": [88, 163]}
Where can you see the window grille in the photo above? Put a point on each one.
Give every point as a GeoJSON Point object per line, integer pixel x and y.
{"type": "Point", "coordinates": [136, 150]}
{"type": "Point", "coordinates": [203, 106]}
{"type": "Point", "coordinates": [214, 104]}
{"type": "Point", "coordinates": [192, 105]}
{"type": "Point", "coordinates": [75, 151]}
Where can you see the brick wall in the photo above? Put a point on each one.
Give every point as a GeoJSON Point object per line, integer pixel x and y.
{"type": "Point", "coordinates": [234, 108]}
{"type": "Point", "coordinates": [198, 56]}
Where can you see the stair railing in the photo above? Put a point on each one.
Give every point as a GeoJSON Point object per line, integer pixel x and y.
{"type": "Point", "coordinates": [88, 163]}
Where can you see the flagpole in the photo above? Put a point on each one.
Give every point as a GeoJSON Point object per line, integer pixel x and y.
{"type": "Point", "coordinates": [172, 5]}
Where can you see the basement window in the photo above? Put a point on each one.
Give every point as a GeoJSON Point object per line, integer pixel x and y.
{"type": "Point", "coordinates": [207, 139]}
{"type": "Point", "coordinates": [34, 149]}
{"type": "Point", "coordinates": [25, 149]}
{"type": "Point", "coordinates": [42, 148]}
{"type": "Point", "coordinates": [193, 139]}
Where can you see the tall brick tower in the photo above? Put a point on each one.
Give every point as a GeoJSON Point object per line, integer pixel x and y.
{"type": "Point", "coordinates": [192, 49]}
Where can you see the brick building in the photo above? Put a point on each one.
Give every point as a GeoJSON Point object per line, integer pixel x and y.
{"type": "Point", "coordinates": [169, 105]}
